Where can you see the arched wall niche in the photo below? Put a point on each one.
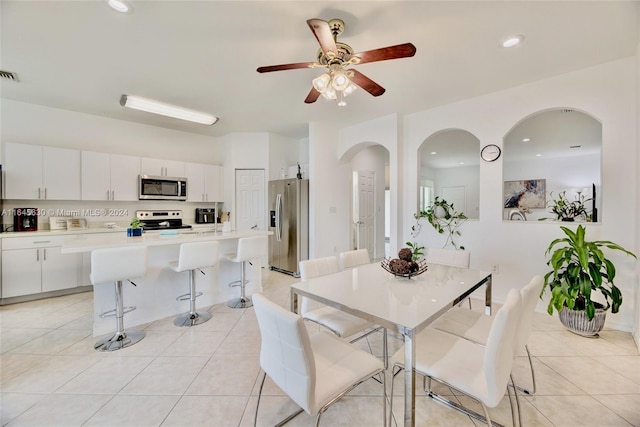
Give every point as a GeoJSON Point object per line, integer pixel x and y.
{"type": "Point", "coordinates": [547, 153]}
{"type": "Point", "coordinates": [449, 167]}
{"type": "Point", "coordinates": [370, 214]}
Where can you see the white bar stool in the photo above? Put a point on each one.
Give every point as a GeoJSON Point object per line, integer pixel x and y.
{"type": "Point", "coordinates": [194, 256]}
{"type": "Point", "coordinates": [248, 248]}
{"type": "Point", "coordinates": [116, 265]}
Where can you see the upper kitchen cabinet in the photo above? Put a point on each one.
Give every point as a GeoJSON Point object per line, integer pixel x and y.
{"type": "Point", "coordinates": [34, 172]}
{"type": "Point", "coordinates": [109, 176]}
{"type": "Point", "coordinates": [160, 167]}
{"type": "Point", "coordinates": [204, 182]}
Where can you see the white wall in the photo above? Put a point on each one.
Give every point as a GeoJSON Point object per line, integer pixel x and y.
{"type": "Point", "coordinates": [283, 152]}
{"type": "Point", "coordinates": [329, 193]}
{"type": "Point", "coordinates": [637, 287]}
{"type": "Point", "coordinates": [602, 91]}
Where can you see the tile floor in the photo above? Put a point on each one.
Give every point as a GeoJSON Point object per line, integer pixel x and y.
{"type": "Point", "coordinates": [208, 375]}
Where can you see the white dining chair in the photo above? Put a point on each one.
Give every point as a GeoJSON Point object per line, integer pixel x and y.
{"type": "Point", "coordinates": [479, 371]}
{"type": "Point", "coordinates": [337, 321]}
{"type": "Point", "coordinates": [354, 258]}
{"type": "Point", "coordinates": [450, 257]}
{"type": "Point", "coordinates": [315, 370]}
{"type": "Point", "coordinates": [475, 326]}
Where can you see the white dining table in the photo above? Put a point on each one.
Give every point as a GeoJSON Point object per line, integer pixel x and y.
{"type": "Point", "coordinates": [399, 304]}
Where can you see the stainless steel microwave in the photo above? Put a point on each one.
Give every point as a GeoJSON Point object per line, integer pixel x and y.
{"type": "Point", "coordinates": [161, 188]}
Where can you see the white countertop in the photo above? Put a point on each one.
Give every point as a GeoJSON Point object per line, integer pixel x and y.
{"type": "Point", "coordinates": [87, 243]}
{"type": "Point", "coordinates": [92, 230]}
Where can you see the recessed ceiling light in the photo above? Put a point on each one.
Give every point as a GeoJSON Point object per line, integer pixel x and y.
{"type": "Point", "coordinates": [119, 6]}
{"type": "Point", "coordinates": [538, 155]}
{"type": "Point", "coordinates": [155, 107]}
{"type": "Point", "coordinates": [433, 153]}
{"type": "Point", "coordinates": [526, 139]}
{"type": "Point", "coordinates": [513, 41]}
{"type": "Point", "coordinates": [462, 163]}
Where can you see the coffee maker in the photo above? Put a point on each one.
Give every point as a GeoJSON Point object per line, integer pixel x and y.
{"type": "Point", "coordinates": [25, 219]}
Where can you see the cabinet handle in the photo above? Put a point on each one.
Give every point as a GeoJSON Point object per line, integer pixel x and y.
{"type": "Point", "coordinates": [113, 194]}
{"type": "Point", "coordinates": [108, 197]}
{"type": "Point", "coordinates": [39, 193]}
{"type": "Point", "coordinates": [42, 241]}
{"type": "Point", "coordinates": [37, 254]}
{"type": "Point", "coordinates": [44, 254]}
{"type": "Point", "coordinates": [45, 193]}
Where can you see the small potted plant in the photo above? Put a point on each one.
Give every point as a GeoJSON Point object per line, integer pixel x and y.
{"type": "Point", "coordinates": [579, 269]}
{"type": "Point", "coordinates": [135, 228]}
{"type": "Point", "coordinates": [568, 210]}
{"type": "Point", "coordinates": [444, 218]}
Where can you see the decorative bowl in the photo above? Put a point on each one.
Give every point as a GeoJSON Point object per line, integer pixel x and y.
{"type": "Point", "coordinates": [422, 267]}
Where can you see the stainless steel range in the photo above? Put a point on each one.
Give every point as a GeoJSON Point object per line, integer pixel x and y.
{"type": "Point", "coordinates": [161, 220]}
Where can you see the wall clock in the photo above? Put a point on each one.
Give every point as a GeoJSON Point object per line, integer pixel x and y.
{"type": "Point", "coordinates": [490, 153]}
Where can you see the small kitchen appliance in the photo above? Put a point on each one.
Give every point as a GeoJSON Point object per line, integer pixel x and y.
{"type": "Point", "coordinates": [206, 216]}
{"type": "Point", "coordinates": [25, 219]}
{"type": "Point", "coordinates": [161, 220]}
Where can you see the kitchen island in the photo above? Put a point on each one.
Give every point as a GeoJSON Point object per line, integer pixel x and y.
{"type": "Point", "coordinates": [154, 295]}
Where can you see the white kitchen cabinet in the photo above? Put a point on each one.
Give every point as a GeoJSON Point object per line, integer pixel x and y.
{"type": "Point", "coordinates": [109, 176]}
{"type": "Point", "coordinates": [160, 167]}
{"type": "Point", "coordinates": [204, 182]}
{"type": "Point", "coordinates": [34, 172]}
{"type": "Point", "coordinates": [32, 265]}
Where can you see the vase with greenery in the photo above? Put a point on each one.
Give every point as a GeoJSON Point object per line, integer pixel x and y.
{"type": "Point", "coordinates": [135, 227]}
{"type": "Point", "coordinates": [568, 210]}
{"type": "Point", "coordinates": [444, 218]}
{"type": "Point", "coordinates": [579, 269]}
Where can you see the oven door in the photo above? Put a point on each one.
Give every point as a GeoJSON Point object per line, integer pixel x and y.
{"type": "Point", "coordinates": [161, 188]}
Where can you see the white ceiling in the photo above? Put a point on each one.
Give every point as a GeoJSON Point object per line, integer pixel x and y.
{"type": "Point", "coordinates": [82, 56]}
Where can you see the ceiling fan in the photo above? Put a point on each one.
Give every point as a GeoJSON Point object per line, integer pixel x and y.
{"type": "Point", "coordinates": [340, 80]}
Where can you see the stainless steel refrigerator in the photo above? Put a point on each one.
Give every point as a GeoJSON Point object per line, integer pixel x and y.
{"type": "Point", "coordinates": [289, 222]}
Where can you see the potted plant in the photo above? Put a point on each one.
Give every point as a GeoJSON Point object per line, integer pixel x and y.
{"type": "Point", "coordinates": [580, 269]}
{"type": "Point", "coordinates": [568, 210]}
{"type": "Point", "coordinates": [135, 227]}
{"type": "Point", "coordinates": [444, 218]}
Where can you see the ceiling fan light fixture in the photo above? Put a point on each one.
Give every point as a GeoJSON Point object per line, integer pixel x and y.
{"type": "Point", "coordinates": [339, 80]}
{"type": "Point", "coordinates": [321, 83]}
{"type": "Point", "coordinates": [174, 111]}
{"type": "Point", "coordinates": [330, 94]}
{"type": "Point", "coordinates": [349, 89]}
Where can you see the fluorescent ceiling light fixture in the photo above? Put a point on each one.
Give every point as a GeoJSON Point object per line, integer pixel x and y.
{"type": "Point", "coordinates": [513, 41]}
{"type": "Point", "coordinates": [526, 139]}
{"type": "Point", "coordinates": [151, 106]}
{"type": "Point", "coordinates": [119, 6]}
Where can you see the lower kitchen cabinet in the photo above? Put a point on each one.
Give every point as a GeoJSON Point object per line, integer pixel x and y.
{"type": "Point", "coordinates": [34, 265]}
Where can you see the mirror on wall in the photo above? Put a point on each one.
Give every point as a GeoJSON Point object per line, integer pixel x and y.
{"type": "Point", "coordinates": [449, 168]}
{"type": "Point", "coordinates": [549, 155]}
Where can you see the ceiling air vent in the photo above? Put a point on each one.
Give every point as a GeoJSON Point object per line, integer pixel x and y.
{"type": "Point", "coordinates": [568, 110]}
{"type": "Point", "coordinates": [8, 75]}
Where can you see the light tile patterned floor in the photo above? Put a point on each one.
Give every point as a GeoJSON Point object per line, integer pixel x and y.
{"type": "Point", "coordinates": [208, 375]}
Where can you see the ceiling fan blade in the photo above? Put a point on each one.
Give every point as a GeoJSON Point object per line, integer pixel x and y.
{"type": "Point", "coordinates": [384, 53]}
{"type": "Point", "coordinates": [323, 34]}
{"type": "Point", "coordinates": [312, 97]}
{"type": "Point", "coordinates": [366, 83]}
{"type": "Point", "coordinates": [283, 67]}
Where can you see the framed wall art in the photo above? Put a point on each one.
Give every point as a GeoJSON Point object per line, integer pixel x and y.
{"type": "Point", "coordinates": [526, 193]}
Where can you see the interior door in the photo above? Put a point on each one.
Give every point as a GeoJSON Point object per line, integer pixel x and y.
{"type": "Point", "coordinates": [250, 199]}
{"type": "Point", "coordinates": [365, 223]}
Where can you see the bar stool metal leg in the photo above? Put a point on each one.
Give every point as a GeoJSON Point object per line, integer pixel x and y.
{"type": "Point", "coordinates": [244, 301]}
{"type": "Point", "coordinates": [120, 339]}
{"type": "Point", "coordinates": [193, 317]}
